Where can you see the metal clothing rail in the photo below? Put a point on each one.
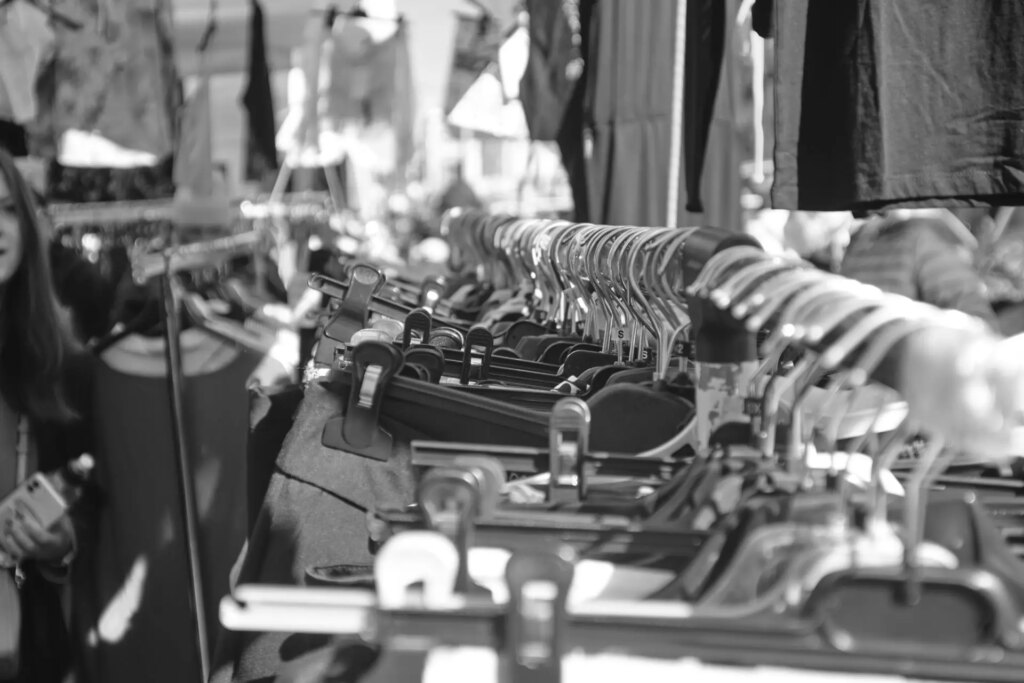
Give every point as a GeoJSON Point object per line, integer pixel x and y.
{"type": "Point", "coordinates": [725, 279]}
{"type": "Point", "coordinates": [114, 215]}
{"type": "Point", "coordinates": [194, 255]}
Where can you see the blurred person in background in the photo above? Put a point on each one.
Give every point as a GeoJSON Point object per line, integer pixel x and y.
{"type": "Point", "coordinates": [1000, 233]}
{"type": "Point", "coordinates": [45, 389]}
{"type": "Point", "coordinates": [926, 255]}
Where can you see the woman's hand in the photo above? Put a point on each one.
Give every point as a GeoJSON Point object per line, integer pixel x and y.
{"type": "Point", "coordinates": [24, 538]}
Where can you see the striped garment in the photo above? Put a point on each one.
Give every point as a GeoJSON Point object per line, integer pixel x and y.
{"type": "Point", "coordinates": [916, 259]}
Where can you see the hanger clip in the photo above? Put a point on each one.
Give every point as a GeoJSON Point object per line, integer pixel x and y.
{"type": "Point", "coordinates": [418, 321]}
{"type": "Point", "coordinates": [569, 438]}
{"type": "Point", "coordinates": [538, 585]}
{"type": "Point", "coordinates": [373, 366]}
{"type": "Point", "coordinates": [477, 339]}
{"type": "Point", "coordinates": [352, 314]}
{"type": "Point", "coordinates": [450, 500]}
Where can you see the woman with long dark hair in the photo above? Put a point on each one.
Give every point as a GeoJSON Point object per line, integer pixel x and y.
{"type": "Point", "coordinates": [44, 391]}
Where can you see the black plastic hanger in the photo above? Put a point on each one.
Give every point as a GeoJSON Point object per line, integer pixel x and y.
{"type": "Point", "coordinates": [373, 366]}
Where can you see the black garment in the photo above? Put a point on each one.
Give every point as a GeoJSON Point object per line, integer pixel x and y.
{"type": "Point", "coordinates": [314, 515]}
{"type": "Point", "coordinates": [762, 18]}
{"type": "Point", "coordinates": [552, 87]}
{"type": "Point", "coordinates": [47, 651]}
{"type": "Point", "coordinates": [705, 41]}
{"type": "Point", "coordinates": [139, 560]}
{"type": "Point", "coordinates": [261, 148]}
{"type": "Point", "coordinates": [898, 103]}
{"type": "Point", "coordinates": [82, 287]}
{"type": "Point", "coordinates": [74, 184]}
{"type": "Point", "coordinates": [13, 139]}
{"type": "Point", "coordinates": [271, 414]}
{"type": "Point", "coordinates": [571, 140]}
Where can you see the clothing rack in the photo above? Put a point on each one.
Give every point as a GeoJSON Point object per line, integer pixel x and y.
{"type": "Point", "coordinates": [194, 255]}
{"type": "Point", "coordinates": [641, 287]}
{"type": "Point", "coordinates": [116, 215]}
{"type": "Point", "coordinates": [722, 336]}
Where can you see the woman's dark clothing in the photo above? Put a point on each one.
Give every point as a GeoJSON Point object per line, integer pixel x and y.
{"type": "Point", "coordinates": [46, 647]}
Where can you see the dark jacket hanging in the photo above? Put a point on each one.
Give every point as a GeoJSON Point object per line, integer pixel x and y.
{"type": "Point", "coordinates": [705, 42]}
{"type": "Point", "coordinates": [551, 89]}
{"type": "Point", "coordinates": [261, 149]}
{"type": "Point", "coordinates": [907, 103]}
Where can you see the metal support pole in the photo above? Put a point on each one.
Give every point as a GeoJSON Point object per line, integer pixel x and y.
{"type": "Point", "coordinates": [189, 510]}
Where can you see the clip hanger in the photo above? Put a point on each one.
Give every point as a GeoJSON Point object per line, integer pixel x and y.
{"type": "Point", "coordinates": [430, 358]}
{"type": "Point", "coordinates": [479, 337]}
{"type": "Point", "coordinates": [354, 312]}
{"type": "Point", "coordinates": [420, 321]}
{"type": "Point", "coordinates": [453, 498]}
{"type": "Point", "coordinates": [359, 431]}
{"type": "Point", "coordinates": [569, 442]}
{"type": "Point", "coordinates": [536, 620]}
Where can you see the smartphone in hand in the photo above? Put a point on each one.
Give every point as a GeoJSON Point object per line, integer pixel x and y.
{"type": "Point", "coordinates": [38, 495]}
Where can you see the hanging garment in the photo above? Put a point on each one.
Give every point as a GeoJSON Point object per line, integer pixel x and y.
{"type": "Point", "coordinates": [26, 40]}
{"type": "Point", "coordinates": [271, 414]}
{"type": "Point", "coordinates": [138, 577]}
{"type": "Point", "coordinates": [712, 151]}
{"type": "Point", "coordinates": [109, 96]}
{"type": "Point", "coordinates": [907, 103]}
{"type": "Point", "coordinates": [13, 139]}
{"type": "Point", "coordinates": [193, 160]}
{"type": "Point", "coordinates": [705, 43]}
{"type": "Point", "coordinates": [314, 515]}
{"type": "Point", "coordinates": [84, 184]}
{"type": "Point", "coordinates": [365, 106]}
{"type": "Point", "coordinates": [258, 99]}
{"type": "Point", "coordinates": [551, 90]}
{"type": "Point", "coordinates": [476, 44]}
{"type": "Point", "coordinates": [553, 68]}
{"type": "Point", "coordinates": [628, 135]}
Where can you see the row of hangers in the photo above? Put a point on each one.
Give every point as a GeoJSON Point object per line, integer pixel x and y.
{"type": "Point", "coordinates": [784, 534]}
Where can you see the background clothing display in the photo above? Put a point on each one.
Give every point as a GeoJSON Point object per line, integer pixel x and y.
{"type": "Point", "coordinates": [26, 41]}
{"type": "Point", "coordinates": [102, 184]}
{"type": "Point", "coordinates": [117, 83]}
{"type": "Point", "coordinates": [898, 104]}
{"type": "Point", "coordinates": [628, 120]}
